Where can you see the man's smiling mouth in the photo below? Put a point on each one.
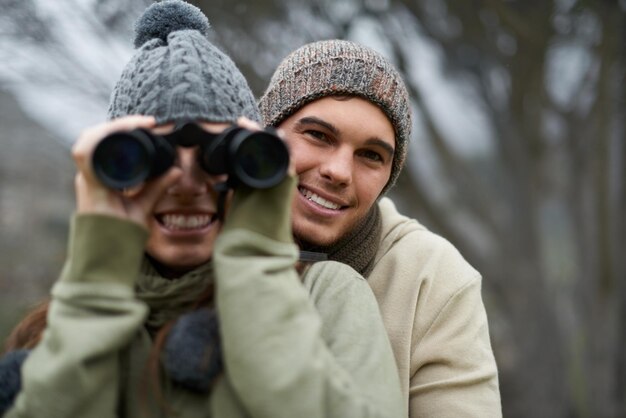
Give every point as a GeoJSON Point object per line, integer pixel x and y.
{"type": "Point", "coordinates": [318, 199]}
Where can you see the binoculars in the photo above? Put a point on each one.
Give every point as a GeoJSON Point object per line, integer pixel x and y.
{"type": "Point", "coordinates": [257, 159]}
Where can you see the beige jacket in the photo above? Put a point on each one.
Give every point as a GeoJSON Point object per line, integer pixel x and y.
{"type": "Point", "coordinates": [430, 299]}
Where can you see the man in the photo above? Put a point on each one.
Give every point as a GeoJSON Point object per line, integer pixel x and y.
{"type": "Point", "coordinates": [345, 113]}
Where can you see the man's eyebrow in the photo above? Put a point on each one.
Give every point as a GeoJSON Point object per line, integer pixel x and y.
{"type": "Point", "coordinates": [312, 120]}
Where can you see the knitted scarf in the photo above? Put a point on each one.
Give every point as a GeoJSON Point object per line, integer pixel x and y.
{"type": "Point", "coordinates": [169, 298]}
{"type": "Point", "coordinates": [356, 249]}
{"type": "Point", "coordinates": [192, 354]}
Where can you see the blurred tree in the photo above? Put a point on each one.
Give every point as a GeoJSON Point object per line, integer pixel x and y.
{"type": "Point", "coordinates": [548, 197]}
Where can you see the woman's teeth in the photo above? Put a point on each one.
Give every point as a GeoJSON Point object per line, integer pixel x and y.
{"type": "Point", "coordinates": [318, 199]}
{"type": "Point", "coordinates": [185, 221]}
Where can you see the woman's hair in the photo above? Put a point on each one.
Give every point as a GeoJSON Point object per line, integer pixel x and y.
{"type": "Point", "coordinates": [27, 333]}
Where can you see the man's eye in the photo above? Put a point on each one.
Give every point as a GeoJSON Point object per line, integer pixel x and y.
{"type": "Point", "coordinates": [318, 135]}
{"type": "Point", "coordinates": [372, 155]}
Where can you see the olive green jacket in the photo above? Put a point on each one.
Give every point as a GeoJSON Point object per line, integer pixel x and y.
{"type": "Point", "coordinates": [293, 347]}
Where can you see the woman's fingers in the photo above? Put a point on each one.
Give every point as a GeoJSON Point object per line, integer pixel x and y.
{"type": "Point", "coordinates": [246, 123]}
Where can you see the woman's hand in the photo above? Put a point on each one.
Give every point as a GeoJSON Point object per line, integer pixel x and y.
{"type": "Point", "coordinates": [93, 197]}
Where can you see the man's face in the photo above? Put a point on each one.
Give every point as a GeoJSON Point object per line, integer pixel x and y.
{"type": "Point", "coordinates": [343, 150]}
{"type": "Point", "coordinates": [183, 227]}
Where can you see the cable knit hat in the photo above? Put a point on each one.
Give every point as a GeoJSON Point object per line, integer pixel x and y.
{"type": "Point", "coordinates": [335, 68]}
{"type": "Point", "coordinates": [176, 74]}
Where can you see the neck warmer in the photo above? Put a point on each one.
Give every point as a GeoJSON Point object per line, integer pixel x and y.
{"type": "Point", "coordinates": [169, 298]}
{"type": "Point", "coordinates": [357, 248]}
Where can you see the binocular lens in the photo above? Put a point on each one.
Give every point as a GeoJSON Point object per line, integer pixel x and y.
{"type": "Point", "coordinates": [260, 159]}
{"type": "Point", "coordinates": [257, 159]}
{"type": "Point", "coordinates": [123, 160]}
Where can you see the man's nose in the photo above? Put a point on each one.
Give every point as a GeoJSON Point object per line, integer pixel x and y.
{"type": "Point", "coordinates": [338, 167]}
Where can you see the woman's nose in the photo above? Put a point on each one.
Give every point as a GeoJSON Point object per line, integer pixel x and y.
{"type": "Point", "coordinates": [194, 181]}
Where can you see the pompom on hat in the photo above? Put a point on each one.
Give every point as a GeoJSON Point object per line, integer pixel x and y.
{"type": "Point", "coordinates": [340, 68]}
{"type": "Point", "coordinates": [161, 19]}
{"type": "Point", "coordinates": [177, 74]}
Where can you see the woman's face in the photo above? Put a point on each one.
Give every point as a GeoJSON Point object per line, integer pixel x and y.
{"type": "Point", "coordinates": [184, 224]}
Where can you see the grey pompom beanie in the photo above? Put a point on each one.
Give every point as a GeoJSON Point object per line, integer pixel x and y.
{"type": "Point", "coordinates": [340, 68]}
{"type": "Point", "coordinates": [177, 74]}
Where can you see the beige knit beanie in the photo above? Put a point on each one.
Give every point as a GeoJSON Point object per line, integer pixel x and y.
{"type": "Point", "coordinates": [335, 68]}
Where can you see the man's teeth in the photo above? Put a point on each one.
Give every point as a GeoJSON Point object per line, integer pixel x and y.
{"type": "Point", "coordinates": [319, 200]}
{"type": "Point", "coordinates": [185, 221]}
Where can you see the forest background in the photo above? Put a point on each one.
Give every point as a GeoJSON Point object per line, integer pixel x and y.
{"type": "Point", "coordinates": [518, 156]}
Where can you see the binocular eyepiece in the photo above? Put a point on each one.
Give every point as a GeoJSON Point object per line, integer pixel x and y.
{"type": "Point", "coordinates": [257, 159]}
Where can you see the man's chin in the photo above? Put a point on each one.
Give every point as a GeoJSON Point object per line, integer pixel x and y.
{"type": "Point", "coordinates": [308, 238]}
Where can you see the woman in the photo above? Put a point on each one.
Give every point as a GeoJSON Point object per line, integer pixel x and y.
{"type": "Point", "coordinates": [131, 327]}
